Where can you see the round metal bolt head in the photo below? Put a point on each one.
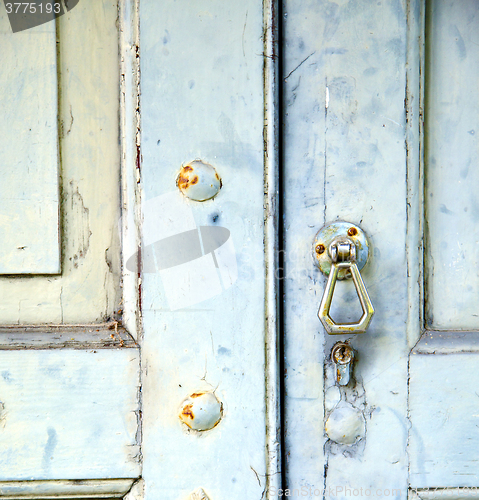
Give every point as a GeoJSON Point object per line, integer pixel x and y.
{"type": "Point", "coordinates": [201, 411]}
{"type": "Point", "coordinates": [199, 181]}
{"type": "Point", "coordinates": [320, 249]}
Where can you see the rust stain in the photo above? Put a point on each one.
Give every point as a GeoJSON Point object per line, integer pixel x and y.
{"type": "Point", "coordinates": [183, 181]}
{"type": "Point", "coordinates": [114, 326]}
{"type": "Point", "coordinates": [185, 177]}
{"type": "Point", "coordinates": [342, 353]}
{"type": "Point", "coordinates": [352, 231]}
{"type": "Point", "coordinates": [187, 412]}
{"type": "Point", "coordinates": [189, 175]}
{"type": "Point", "coordinates": [196, 394]}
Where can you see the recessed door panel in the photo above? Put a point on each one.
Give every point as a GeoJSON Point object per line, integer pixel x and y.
{"type": "Point", "coordinates": [29, 157]}
{"type": "Point", "coordinates": [452, 173]}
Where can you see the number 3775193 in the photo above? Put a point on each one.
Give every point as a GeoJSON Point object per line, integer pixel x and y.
{"type": "Point", "coordinates": [33, 8]}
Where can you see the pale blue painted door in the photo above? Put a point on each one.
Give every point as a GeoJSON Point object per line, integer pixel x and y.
{"type": "Point", "coordinates": [357, 88]}
{"type": "Point", "coordinates": [379, 118]}
{"type": "Point", "coordinates": [381, 115]}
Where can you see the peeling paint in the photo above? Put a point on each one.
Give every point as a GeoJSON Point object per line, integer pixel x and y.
{"type": "Point", "coordinates": [81, 237]}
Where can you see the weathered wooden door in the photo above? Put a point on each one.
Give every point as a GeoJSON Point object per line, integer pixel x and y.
{"type": "Point", "coordinates": [378, 109]}
{"type": "Point", "coordinates": [364, 112]}
{"type": "Point", "coordinates": [69, 384]}
{"type": "Point", "coordinates": [380, 114]}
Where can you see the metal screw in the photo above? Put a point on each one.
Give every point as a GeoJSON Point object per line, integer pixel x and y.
{"type": "Point", "coordinates": [320, 249]}
{"type": "Point", "coordinates": [352, 231]}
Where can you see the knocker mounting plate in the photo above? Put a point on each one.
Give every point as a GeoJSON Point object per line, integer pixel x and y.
{"type": "Point", "coordinates": [324, 238]}
{"type": "Point", "coordinates": [340, 250]}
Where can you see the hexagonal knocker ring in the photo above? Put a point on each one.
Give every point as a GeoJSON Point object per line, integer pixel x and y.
{"type": "Point", "coordinates": [340, 250]}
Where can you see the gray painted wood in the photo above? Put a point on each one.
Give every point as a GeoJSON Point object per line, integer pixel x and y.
{"type": "Point", "coordinates": [69, 414]}
{"type": "Point", "coordinates": [55, 489]}
{"type": "Point", "coordinates": [345, 158]}
{"type": "Point", "coordinates": [447, 342]}
{"type": "Point", "coordinates": [69, 395]}
{"type": "Point", "coordinates": [29, 166]}
{"type": "Point", "coordinates": [443, 365]}
{"type": "Point", "coordinates": [105, 336]}
{"type": "Point", "coordinates": [202, 98]}
{"type": "Point", "coordinates": [452, 127]}
{"type": "Point", "coordinates": [88, 289]}
{"type": "Point", "coordinates": [130, 167]}
{"type": "Point", "coordinates": [444, 412]}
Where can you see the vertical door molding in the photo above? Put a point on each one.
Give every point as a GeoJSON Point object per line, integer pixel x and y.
{"type": "Point", "coordinates": [272, 243]}
{"type": "Point", "coordinates": [130, 226]}
{"type": "Point", "coordinates": [415, 166]}
{"type": "Point", "coordinates": [443, 363]}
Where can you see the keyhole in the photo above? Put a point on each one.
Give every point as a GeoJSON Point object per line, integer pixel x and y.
{"type": "Point", "coordinates": [342, 353]}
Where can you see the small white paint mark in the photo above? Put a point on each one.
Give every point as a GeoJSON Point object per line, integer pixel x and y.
{"type": "Point", "coordinates": [392, 121]}
{"type": "Point", "coordinates": [327, 97]}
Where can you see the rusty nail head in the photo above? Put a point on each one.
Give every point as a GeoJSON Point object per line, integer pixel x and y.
{"type": "Point", "coordinates": [352, 231]}
{"type": "Point", "coordinates": [320, 249]}
{"type": "Point", "coordinates": [198, 181]}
